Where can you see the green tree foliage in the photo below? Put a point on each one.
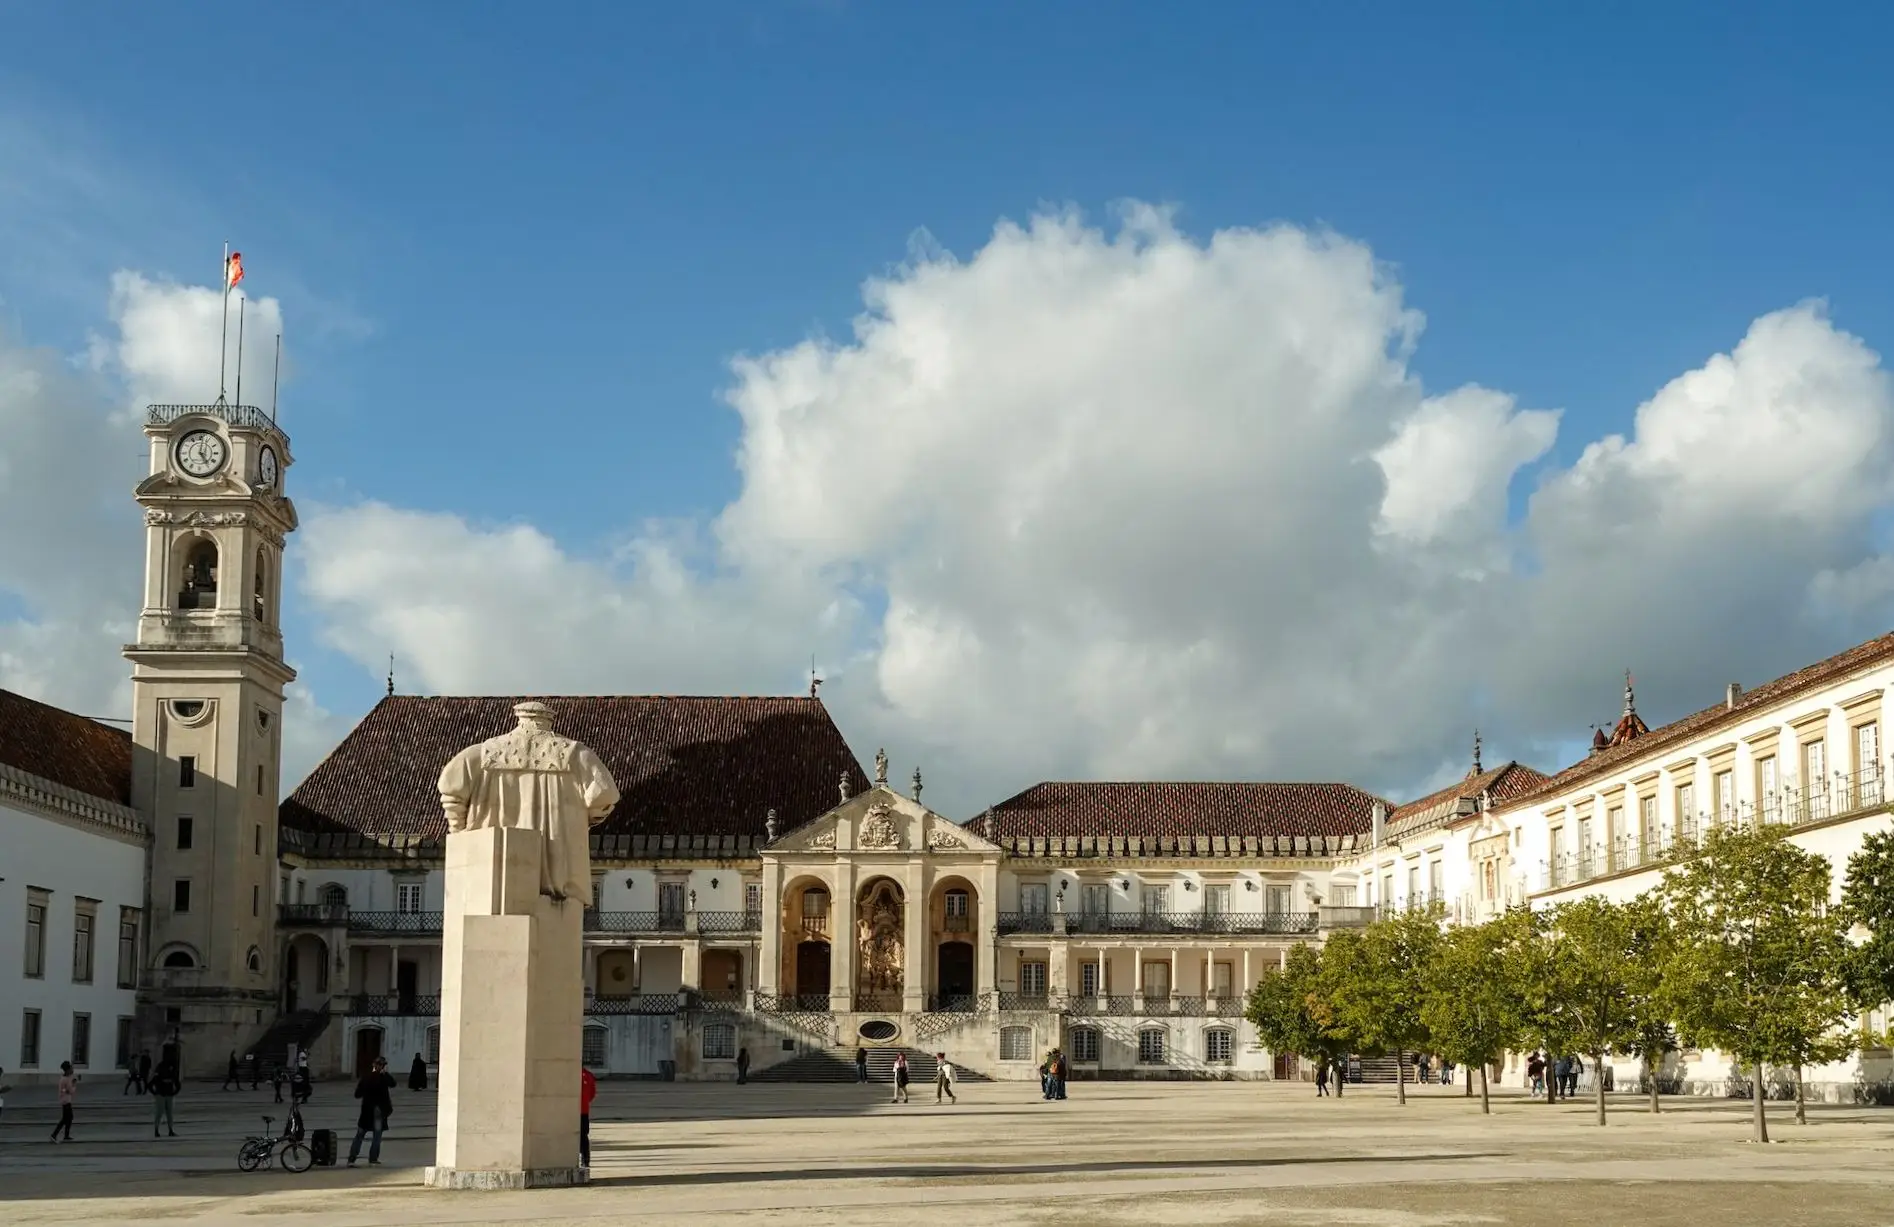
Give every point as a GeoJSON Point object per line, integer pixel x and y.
{"type": "Point", "coordinates": [1592, 971]}
{"type": "Point", "coordinates": [1867, 902]}
{"type": "Point", "coordinates": [1652, 1036]}
{"type": "Point", "coordinates": [1758, 967]}
{"type": "Point", "coordinates": [1291, 1013]}
{"type": "Point", "coordinates": [1545, 1017]}
{"type": "Point", "coordinates": [1472, 1007]}
{"type": "Point", "coordinates": [1375, 985]}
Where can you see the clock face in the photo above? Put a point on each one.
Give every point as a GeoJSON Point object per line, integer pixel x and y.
{"type": "Point", "coordinates": [201, 453]}
{"type": "Point", "coordinates": [266, 467]}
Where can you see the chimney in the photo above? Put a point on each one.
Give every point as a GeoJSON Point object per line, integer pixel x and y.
{"type": "Point", "coordinates": [1730, 696]}
{"type": "Point", "coordinates": [1380, 827]}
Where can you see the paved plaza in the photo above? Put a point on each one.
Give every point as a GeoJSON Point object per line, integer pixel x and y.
{"type": "Point", "coordinates": [1114, 1153]}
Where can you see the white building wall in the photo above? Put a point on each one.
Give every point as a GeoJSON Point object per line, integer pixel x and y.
{"type": "Point", "coordinates": [69, 862]}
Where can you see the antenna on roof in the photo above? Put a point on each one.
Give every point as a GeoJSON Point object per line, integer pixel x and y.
{"type": "Point", "coordinates": [1477, 769]}
{"type": "Point", "coordinates": [814, 681]}
{"type": "Point", "coordinates": [391, 675]}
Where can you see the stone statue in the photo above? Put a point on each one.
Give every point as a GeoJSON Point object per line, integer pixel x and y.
{"type": "Point", "coordinates": [533, 779]}
{"type": "Point", "coordinates": [881, 766]}
{"type": "Point", "coordinates": [878, 937]}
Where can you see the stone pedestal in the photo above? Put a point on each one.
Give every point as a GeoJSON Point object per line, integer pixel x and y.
{"type": "Point", "coordinates": [512, 1006]}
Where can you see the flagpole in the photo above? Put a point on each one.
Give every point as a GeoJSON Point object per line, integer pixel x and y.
{"type": "Point", "coordinates": [240, 306]}
{"type": "Point", "coordinates": [276, 374]}
{"type": "Point", "coordinates": [223, 332]}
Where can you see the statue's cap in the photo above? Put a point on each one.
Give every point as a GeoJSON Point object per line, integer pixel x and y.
{"type": "Point", "coordinates": [532, 711]}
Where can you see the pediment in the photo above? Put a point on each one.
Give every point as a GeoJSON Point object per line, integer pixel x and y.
{"type": "Point", "coordinates": [881, 820]}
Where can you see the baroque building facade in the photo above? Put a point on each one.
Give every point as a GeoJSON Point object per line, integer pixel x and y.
{"type": "Point", "coordinates": [756, 890]}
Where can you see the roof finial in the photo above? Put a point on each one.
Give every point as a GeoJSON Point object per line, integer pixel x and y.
{"type": "Point", "coordinates": [391, 675]}
{"type": "Point", "coordinates": [815, 682]}
{"type": "Point", "coordinates": [1630, 700]}
{"type": "Point", "coordinates": [917, 783]}
{"type": "Point", "coordinates": [844, 785]}
{"type": "Point", "coordinates": [769, 827]}
{"type": "Point", "coordinates": [1477, 769]}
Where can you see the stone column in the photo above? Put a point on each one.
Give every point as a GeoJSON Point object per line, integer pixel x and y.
{"type": "Point", "coordinates": [842, 910]}
{"type": "Point", "coordinates": [691, 965]}
{"type": "Point", "coordinates": [914, 937]}
{"type": "Point", "coordinates": [511, 1012]}
{"type": "Point", "coordinates": [769, 968]}
{"type": "Point", "coordinates": [985, 920]}
{"type": "Point", "coordinates": [1137, 979]}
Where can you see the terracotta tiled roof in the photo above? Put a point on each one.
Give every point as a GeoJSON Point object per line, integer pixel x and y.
{"type": "Point", "coordinates": [1656, 741]}
{"type": "Point", "coordinates": [1178, 810]}
{"type": "Point", "coordinates": [687, 767]}
{"type": "Point", "coordinates": [1504, 782]}
{"type": "Point", "coordinates": [71, 750]}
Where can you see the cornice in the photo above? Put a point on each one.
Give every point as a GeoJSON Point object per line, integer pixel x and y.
{"type": "Point", "coordinates": [80, 810]}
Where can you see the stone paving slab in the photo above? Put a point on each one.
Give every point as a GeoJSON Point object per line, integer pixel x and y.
{"type": "Point", "coordinates": [1114, 1153]}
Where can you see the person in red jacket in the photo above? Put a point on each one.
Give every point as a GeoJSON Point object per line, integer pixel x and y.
{"type": "Point", "coordinates": [588, 1089]}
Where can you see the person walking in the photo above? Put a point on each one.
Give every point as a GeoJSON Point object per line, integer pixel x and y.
{"type": "Point", "coordinates": [743, 1066]}
{"type": "Point", "coordinates": [68, 1091]}
{"type": "Point", "coordinates": [1446, 1072]}
{"type": "Point", "coordinates": [377, 1106]}
{"type": "Point", "coordinates": [1321, 1077]}
{"type": "Point", "coordinates": [232, 1074]}
{"type": "Point", "coordinates": [944, 1079]}
{"type": "Point", "coordinates": [135, 1078]}
{"type": "Point", "coordinates": [417, 1074]}
{"type": "Point", "coordinates": [165, 1085]}
{"type": "Point", "coordinates": [900, 1078]}
{"type": "Point", "coordinates": [861, 1063]}
{"type": "Point", "coordinates": [300, 1087]}
{"type": "Point", "coordinates": [1060, 1071]}
{"type": "Point", "coordinates": [588, 1091]}
{"type": "Point", "coordinates": [277, 1078]}
{"type": "Point", "coordinates": [1045, 1076]}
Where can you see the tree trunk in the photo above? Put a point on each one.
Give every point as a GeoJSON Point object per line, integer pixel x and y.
{"type": "Point", "coordinates": [1755, 1095]}
{"type": "Point", "coordinates": [1650, 1074]}
{"type": "Point", "coordinates": [1341, 1075]}
{"type": "Point", "coordinates": [1598, 1083]}
{"type": "Point", "coordinates": [1400, 1075]}
{"type": "Point", "coordinates": [1466, 1076]}
{"type": "Point", "coordinates": [1486, 1105]}
{"type": "Point", "coordinates": [1801, 1113]}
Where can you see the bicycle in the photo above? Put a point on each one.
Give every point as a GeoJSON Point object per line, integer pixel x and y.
{"type": "Point", "coordinates": [295, 1155]}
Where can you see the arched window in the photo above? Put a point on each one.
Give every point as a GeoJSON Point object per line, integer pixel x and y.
{"type": "Point", "coordinates": [199, 587]}
{"type": "Point", "coordinates": [334, 894]}
{"type": "Point", "coordinates": [1151, 1046]}
{"type": "Point", "coordinates": [1218, 1043]}
{"type": "Point", "coordinates": [1015, 1043]}
{"type": "Point", "coordinates": [1084, 1043]}
{"type": "Point", "coordinates": [254, 960]}
{"type": "Point", "coordinates": [179, 958]}
{"type": "Point", "coordinates": [259, 598]}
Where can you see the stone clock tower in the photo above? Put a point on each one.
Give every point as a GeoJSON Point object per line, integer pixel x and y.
{"type": "Point", "coordinates": [207, 683]}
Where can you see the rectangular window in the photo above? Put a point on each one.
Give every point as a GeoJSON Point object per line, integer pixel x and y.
{"type": "Point", "coordinates": [81, 1040]}
{"type": "Point", "coordinates": [1277, 900]}
{"type": "Point", "coordinates": [1157, 900]}
{"type": "Point", "coordinates": [1216, 900]}
{"type": "Point", "coordinates": [1096, 899]}
{"type": "Point", "coordinates": [1584, 838]}
{"type": "Point", "coordinates": [671, 899]}
{"type": "Point", "coordinates": [1032, 898]}
{"type": "Point", "coordinates": [84, 913]}
{"type": "Point", "coordinates": [1015, 1043]}
{"type": "Point", "coordinates": [1032, 979]}
{"type": "Point", "coordinates": [408, 900]}
{"type": "Point", "coordinates": [1868, 751]}
{"type": "Point", "coordinates": [37, 902]}
{"type": "Point", "coordinates": [1157, 981]}
{"type": "Point", "coordinates": [1686, 804]}
{"type": "Point", "coordinates": [1085, 1045]}
{"type": "Point", "coordinates": [1088, 980]}
{"type": "Point", "coordinates": [1435, 888]}
{"type": "Point", "coordinates": [1222, 976]}
{"type": "Point", "coordinates": [1151, 1047]}
{"type": "Point", "coordinates": [593, 1047]}
{"type": "Point", "coordinates": [1725, 795]}
{"type": "Point", "coordinates": [187, 772]}
{"type": "Point", "coordinates": [720, 1042]}
{"type": "Point", "coordinates": [29, 1039]}
{"type": "Point", "coordinates": [1614, 829]}
{"type": "Point", "coordinates": [122, 1054]}
{"type": "Point", "coordinates": [1814, 767]}
{"type": "Point", "coordinates": [433, 1045]}
{"type": "Point", "coordinates": [815, 904]}
{"type": "Point", "coordinates": [955, 903]}
{"type": "Point", "coordinates": [1344, 896]}
{"type": "Point", "coordinates": [1216, 1046]}
{"type": "Point", "coordinates": [181, 896]}
{"type": "Point", "coordinates": [753, 898]}
{"type": "Point", "coordinates": [1413, 885]}
{"type": "Point", "coordinates": [1647, 826]}
{"type": "Point", "coordinates": [127, 947]}
{"type": "Point", "coordinates": [184, 833]}
{"type": "Point", "coordinates": [1387, 890]}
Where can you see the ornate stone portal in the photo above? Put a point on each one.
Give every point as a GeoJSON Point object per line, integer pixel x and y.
{"type": "Point", "coordinates": [880, 945]}
{"type": "Point", "coordinates": [518, 808]}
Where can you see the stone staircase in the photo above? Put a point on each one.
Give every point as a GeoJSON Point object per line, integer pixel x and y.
{"type": "Point", "coordinates": [838, 1065]}
{"type": "Point", "coordinates": [298, 1027]}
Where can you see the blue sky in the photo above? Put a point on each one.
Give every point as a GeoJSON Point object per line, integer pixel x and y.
{"type": "Point", "coordinates": [518, 246]}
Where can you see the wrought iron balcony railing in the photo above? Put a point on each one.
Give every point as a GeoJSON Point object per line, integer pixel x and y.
{"type": "Point", "coordinates": [424, 1004]}
{"type": "Point", "coordinates": [634, 922]}
{"type": "Point", "coordinates": [327, 914]}
{"type": "Point", "coordinates": [729, 922]}
{"type": "Point", "coordinates": [394, 922]}
{"type": "Point", "coordinates": [638, 1003]}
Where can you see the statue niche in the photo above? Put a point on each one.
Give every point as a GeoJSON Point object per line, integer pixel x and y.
{"type": "Point", "coordinates": [880, 946]}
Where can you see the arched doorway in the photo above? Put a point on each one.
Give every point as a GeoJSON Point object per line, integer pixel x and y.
{"type": "Point", "coordinates": [812, 974]}
{"type": "Point", "coordinates": [953, 973]}
{"type": "Point", "coordinates": [367, 1048]}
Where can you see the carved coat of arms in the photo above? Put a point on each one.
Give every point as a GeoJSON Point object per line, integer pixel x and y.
{"type": "Point", "coordinates": [878, 829]}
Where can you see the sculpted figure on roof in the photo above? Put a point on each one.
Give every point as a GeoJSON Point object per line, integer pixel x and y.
{"type": "Point", "coordinates": [533, 779]}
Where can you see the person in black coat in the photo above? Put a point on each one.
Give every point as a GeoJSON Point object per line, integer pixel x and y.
{"type": "Point", "coordinates": [377, 1106]}
{"type": "Point", "coordinates": [417, 1074]}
